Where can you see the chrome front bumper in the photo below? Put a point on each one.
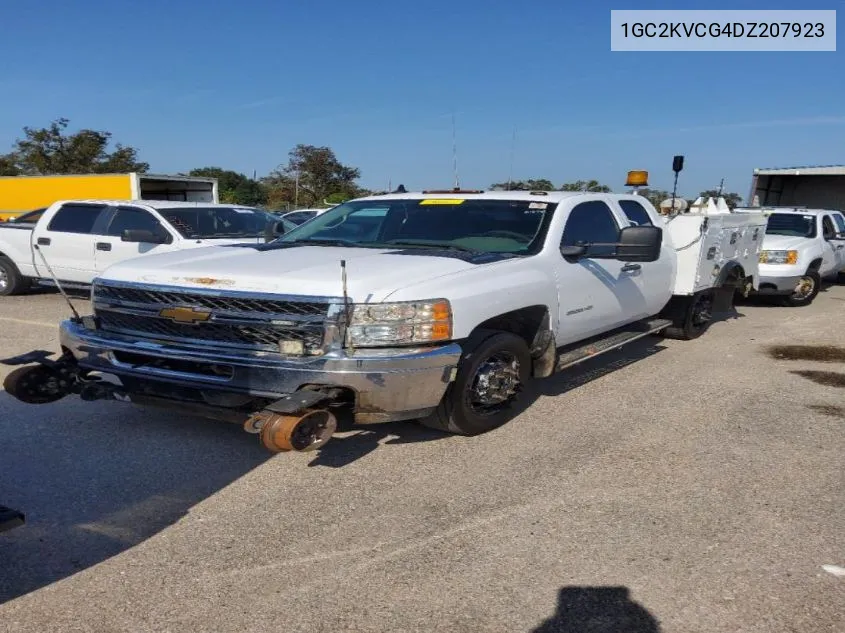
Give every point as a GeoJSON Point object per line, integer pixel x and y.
{"type": "Point", "coordinates": [390, 384]}
{"type": "Point", "coordinates": [773, 284]}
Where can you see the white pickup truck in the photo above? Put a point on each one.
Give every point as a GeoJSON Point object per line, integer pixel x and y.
{"type": "Point", "coordinates": [801, 248]}
{"type": "Point", "coordinates": [436, 306]}
{"type": "Point", "coordinates": [79, 239]}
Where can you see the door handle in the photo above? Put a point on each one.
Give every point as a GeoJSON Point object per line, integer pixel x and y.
{"type": "Point", "coordinates": [103, 246]}
{"type": "Point", "coordinates": [629, 268]}
{"type": "Point", "coordinates": [44, 241]}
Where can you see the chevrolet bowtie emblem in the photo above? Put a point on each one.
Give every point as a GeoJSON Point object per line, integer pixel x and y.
{"type": "Point", "coordinates": [185, 315]}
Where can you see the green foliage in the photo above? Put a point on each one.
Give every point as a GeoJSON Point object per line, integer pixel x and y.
{"type": "Point", "coordinates": [51, 150]}
{"type": "Point", "coordinates": [593, 186]}
{"type": "Point", "coordinates": [311, 175]}
{"type": "Point", "coordinates": [655, 196]}
{"type": "Point", "coordinates": [233, 187]}
{"type": "Point", "coordinates": [532, 184]}
{"type": "Point", "coordinates": [8, 165]}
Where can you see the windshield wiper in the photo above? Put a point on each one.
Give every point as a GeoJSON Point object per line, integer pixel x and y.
{"type": "Point", "coordinates": [322, 242]}
{"type": "Point", "coordinates": [428, 244]}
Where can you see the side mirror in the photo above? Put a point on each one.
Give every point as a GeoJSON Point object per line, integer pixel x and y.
{"type": "Point", "coordinates": [273, 230]}
{"type": "Point", "coordinates": [573, 251]}
{"type": "Point", "coordinates": [144, 236]}
{"type": "Point", "coordinates": [639, 244]}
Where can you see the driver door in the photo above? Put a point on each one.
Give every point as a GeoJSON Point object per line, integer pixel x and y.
{"type": "Point", "coordinates": [594, 295]}
{"type": "Point", "coordinates": [110, 248]}
{"type": "Point", "coordinates": [832, 254]}
{"type": "Point", "coordinates": [839, 240]}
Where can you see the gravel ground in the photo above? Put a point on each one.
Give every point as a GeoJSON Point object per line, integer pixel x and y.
{"type": "Point", "coordinates": [672, 486]}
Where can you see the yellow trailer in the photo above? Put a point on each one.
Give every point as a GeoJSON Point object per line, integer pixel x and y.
{"type": "Point", "coordinates": [20, 194]}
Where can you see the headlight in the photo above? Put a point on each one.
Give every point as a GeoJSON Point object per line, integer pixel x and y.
{"type": "Point", "coordinates": [400, 323]}
{"type": "Point", "coordinates": [778, 257]}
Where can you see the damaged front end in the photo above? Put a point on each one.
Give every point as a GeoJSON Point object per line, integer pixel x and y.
{"type": "Point", "coordinates": [275, 364]}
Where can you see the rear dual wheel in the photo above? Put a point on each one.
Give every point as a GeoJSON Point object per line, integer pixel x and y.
{"type": "Point", "coordinates": [691, 316]}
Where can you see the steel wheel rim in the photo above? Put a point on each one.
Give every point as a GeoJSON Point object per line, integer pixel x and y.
{"type": "Point", "coordinates": [4, 278]}
{"type": "Point", "coordinates": [495, 384]}
{"type": "Point", "coordinates": [804, 288]}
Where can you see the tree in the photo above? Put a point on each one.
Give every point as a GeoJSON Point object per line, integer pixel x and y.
{"type": "Point", "coordinates": [733, 200]}
{"type": "Point", "coordinates": [51, 151]}
{"type": "Point", "coordinates": [7, 165]}
{"type": "Point", "coordinates": [311, 175]}
{"type": "Point", "coordinates": [586, 185]}
{"type": "Point", "coordinates": [655, 196]}
{"type": "Point", "coordinates": [234, 187]}
{"type": "Point", "coordinates": [539, 184]}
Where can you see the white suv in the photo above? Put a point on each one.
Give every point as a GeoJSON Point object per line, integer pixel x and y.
{"type": "Point", "coordinates": [800, 249]}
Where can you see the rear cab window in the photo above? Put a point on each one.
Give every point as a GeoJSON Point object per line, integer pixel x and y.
{"type": "Point", "coordinates": [76, 218]}
{"type": "Point", "coordinates": [636, 213]}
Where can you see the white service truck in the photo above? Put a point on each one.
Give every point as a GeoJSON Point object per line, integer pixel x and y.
{"type": "Point", "coordinates": [435, 306]}
{"type": "Point", "coordinates": [801, 248]}
{"type": "Point", "coordinates": [80, 239]}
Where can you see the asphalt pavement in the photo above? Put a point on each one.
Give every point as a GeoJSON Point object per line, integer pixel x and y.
{"type": "Point", "coordinates": [673, 486]}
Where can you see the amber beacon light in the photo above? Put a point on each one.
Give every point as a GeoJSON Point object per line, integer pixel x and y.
{"type": "Point", "coordinates": [637, 178]}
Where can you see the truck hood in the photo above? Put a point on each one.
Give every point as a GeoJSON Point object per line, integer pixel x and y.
{"type": "Point", "coordinates": [784, 242]}
{"type": "Point", "coordinates": [372, 274]}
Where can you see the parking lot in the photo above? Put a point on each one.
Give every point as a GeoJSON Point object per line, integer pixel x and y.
{"type": "Point", "coordinates": [671, 486]}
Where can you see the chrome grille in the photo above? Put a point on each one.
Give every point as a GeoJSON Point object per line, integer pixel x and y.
{"type": "Point", "coordinates": [237, 319]}
{"type": "Point", "coordinates": [226, 303]}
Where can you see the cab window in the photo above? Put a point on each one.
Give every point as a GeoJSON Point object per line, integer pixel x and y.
{"type": "Point", "coordinates": [76, 218]}
{"type": "Point", "coordinates": [591, 223]}
{"type": "Point", "coordinates": [133, 219]}
{"type": "Point", "coordinates": [635, 212]}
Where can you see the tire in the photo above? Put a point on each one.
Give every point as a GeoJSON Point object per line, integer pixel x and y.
{"type": "Point", "coordinates": [806, 296]}
{"type": "Point", "coordinates": [35, 384]}
{"type": "Point", "coordinates": [11, 280]}
{"type": "Point", "coordinates": [494, 355]}
{"type": "Point", "coordinates": [691, 317]}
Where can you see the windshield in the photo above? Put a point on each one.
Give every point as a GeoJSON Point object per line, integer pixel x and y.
{"type": "Point", "coordinates": [791, 224]}
{"type": "Point", "coordinates": [214, 222]}
{"type": "Point", "coordinates": [485, 225]}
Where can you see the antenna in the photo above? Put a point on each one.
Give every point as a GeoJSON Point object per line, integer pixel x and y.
{"type": "Point", "coordinates": [455, 153]}
{"type": "Point", "coordinates": [513, 152]}
{"type": "Point", "coordinates": [346, 312]}
{"type": "Point", "coordinates": [721, 187]}
{"type": "Point", "coordinates": [56, 281]}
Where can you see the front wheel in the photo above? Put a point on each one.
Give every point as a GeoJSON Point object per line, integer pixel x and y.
{"type": "Point", "coordinates": [490, 379]}
{"type": "Point", "coordinates": [805, 292]}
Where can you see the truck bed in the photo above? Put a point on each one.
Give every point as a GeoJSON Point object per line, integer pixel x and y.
{"type": "Point", "coordinates": [707, 239]}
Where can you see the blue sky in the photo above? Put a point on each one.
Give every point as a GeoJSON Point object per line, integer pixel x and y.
{"type": "Point", "coordinates": [238, 84]}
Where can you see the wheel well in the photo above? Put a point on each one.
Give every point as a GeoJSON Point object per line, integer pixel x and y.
{"type": "Point", "coordinates": [525, 322]}
{"type": "Point", "coordinates": [815, 264]}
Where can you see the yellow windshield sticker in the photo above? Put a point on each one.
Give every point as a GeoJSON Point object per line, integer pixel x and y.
{"type": "Point", "coordinates": [440, 201]}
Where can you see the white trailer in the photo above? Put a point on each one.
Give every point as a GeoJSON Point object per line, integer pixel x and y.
{"type": "Point", "coordinates": [815, 187]}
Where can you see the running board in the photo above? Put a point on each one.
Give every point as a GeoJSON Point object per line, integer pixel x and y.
{"type": "Point", "coordinates": [608, 342]}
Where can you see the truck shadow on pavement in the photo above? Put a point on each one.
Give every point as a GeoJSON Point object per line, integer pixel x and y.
{"type": "Point", "coordinates": [364, 439]}
{"type": "Point", "coordinates": [95, 479]}
{"type": "Point", "coordinates": [598, 610]}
